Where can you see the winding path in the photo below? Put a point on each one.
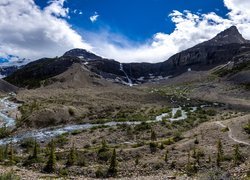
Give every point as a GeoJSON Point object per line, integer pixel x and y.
{"type": "Point", "coordinates": [230, 134]}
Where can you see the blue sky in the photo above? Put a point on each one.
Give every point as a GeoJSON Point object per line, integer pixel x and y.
{"type": "Point", "coordinates": [124, 30]}
{"type": "Point", "coordinates": [138, 20]}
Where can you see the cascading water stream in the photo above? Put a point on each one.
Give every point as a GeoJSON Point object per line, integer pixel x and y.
{"type": "Point", "coordinates": [130, 83]}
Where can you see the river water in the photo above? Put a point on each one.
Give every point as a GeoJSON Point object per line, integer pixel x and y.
{"type": "Point", "coordinates": [47, 133]}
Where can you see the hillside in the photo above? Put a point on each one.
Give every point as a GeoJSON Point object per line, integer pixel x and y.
{"type": "Point", "coordinates": [225, 47]}
{"type": "Point", "coordinates": [79, 117]}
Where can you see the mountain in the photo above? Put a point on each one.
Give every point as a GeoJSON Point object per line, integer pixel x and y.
{"type": "Point", "coordinates": [82, 54]}
{"type": "Point", "coordinates": [221, 49]}
{"type": "Point", "coordinates": [34, 73]}
{"type": "Point", "coordinates": [228, 36]}
{"type": "Point", "coordinates": [8, 70]}
{"type": "Point", "coordinates": [6, 87]}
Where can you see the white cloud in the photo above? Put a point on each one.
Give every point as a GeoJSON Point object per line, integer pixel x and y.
{"type": "Point", "coordinates": [191, 29]}
{"type": "Point", "coordinates": [94, 17]}
{"type": "Point", "coordinates": [29, 32]}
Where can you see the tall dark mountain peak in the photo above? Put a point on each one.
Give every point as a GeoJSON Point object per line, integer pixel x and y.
{"type": "Point", "coordinates": [228, 36]}
{"type": "Point", "coordinates": [82, 54]}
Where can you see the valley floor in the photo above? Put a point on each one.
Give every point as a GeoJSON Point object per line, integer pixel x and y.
{"type": "Point", "coordinates": [184, 149]}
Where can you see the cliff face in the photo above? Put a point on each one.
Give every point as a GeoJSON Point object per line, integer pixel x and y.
{"type": "Point", "coordinates": [221, 49]}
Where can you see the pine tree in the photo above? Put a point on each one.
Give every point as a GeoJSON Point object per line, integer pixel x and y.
{"type": "Point", "coordinates": [11, 155]}
{"type": "Point", "coordinates": [35, 151]}
{"type": "Point", "coordinates": [51, 163]}
{"type": "Point", "coordinates": [237, 157]}
{"type": "Point", "coordinates": [194, 152]}
{"type": "Point", "coordinates": [136, 160]}
{"type": "Point", "coordinates": [153, 135]}
{"type": "Point", "coordinates": [104, 147]}
{"type": "Point", "coordinates": [220, 153]}
{"type": "Point", "coordinates": [6, 151]}
{"type": "Point", "coordinates": [113, 165]}
{"type": "Point", "coordinates": [72, 156]}
{"type": "Point", "coordinates": [166, 156]}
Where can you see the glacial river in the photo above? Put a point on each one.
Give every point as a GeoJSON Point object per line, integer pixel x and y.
{"type": "Point", "coordinates": [47, 133]}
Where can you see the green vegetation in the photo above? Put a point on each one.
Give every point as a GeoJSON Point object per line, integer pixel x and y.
{"type": "Point", "coordinates": [237, 156]}
{"type": "Point", "coordinates": [237, 68]}
{"type": "Point", "coordinates": [190, 167]}
{"type": "Point", "coordinates": [178, 114]}
{"type": "Point", "coordinates": [34, 157]}
{"type": "Point", "coordinates": [247, 127]}
{"type": "Point", "coordinates": [72, 157]}
{"type": "Point", "coordinates": [100, 172]}
{"type": "Point", "coordinates": [9, 176]}
{"type": "Point", "coordinates": [104, 152]}
{"type": "Point", "coordinates": [220, 153]}
{"type": "Point", "coordinates": [166, 156]}
{"type": "Point", "coordinates": [112, 171]}
{"type": "Point", "coordinates": [153, 135]}
{"type": "Point", "coordinates": [4, 132]}
{"type": "Point", "coordinates": [153, 146]}
{"type": "Point", "coordinates": [51, 163]}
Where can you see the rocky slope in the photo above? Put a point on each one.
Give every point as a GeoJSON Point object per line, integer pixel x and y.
{"type": "Point", "coordinates": [226, 47]}
{"type": "Point", "coordinates": [6, 87]}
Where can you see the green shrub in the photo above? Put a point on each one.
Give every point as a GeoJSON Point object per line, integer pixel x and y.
{"type": "Point", "coordinates": [211, 112]}
{"type": "Point", "coordinates": [225, 129]}
{"type": "Point", "coordinates": [51, 163]}
{"type": "Point", "coordinates": [71, 112]}
{"type": "Point", "coordinates": [63, 172]}
{"type": "Point", "coordinates": [9, 176]}
{"type": "Point", "coordinates": [28, 143]}
{"type": "Point", "coordinates": [61, 140]}
{"type": "Point", "coordinates": [177, 136]}
{"type": "Point", "coordinates": [153, 146]}
{"type": "Point", "coordinates": [75, 132]}
{"type": "Point", "coordinates": [104, 153]}
{"type": "Point", "coordinates": [178, 114]}
{"type": "Point", "coordinates": [112, 171]}
{"type": "Point", "coordinates": [247, 127]}
{"type": "Point", "coordinates": [100, 172]}
{"type": "Point", "coordinates": [4, 132]}
{"type": "Point", "coordinates": [142, 127]}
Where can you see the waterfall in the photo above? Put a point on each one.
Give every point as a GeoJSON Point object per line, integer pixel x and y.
{"type": "Point", "coordinates": [130, 83]}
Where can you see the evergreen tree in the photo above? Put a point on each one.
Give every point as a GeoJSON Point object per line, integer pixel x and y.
{"type": "Point", "coordinates": [35, 151]}
{"type": "Point", "coordinates": [153, 135]}
{"type": "Point", "coordinates": [72, 156]}
{"type": "Point", "coordinates": [6, 151]}
{"type": "Point", "coordinates": [11, 155]}
{"type": "Point", "coordinates": [104, 146]}
{"type": "Point", "coordinates": [113, 165]}
{"type": "Point", "coordinates": [220, 153]}
{"type": "Point", "coordinates": [194, 152]}
{"type": "Point", "coordinates": [166, 156]}
{"type": "Point", "coordinates": [136, 160]}
{"type": "Point", "coordinates": [51, 163]}
{"type": "Point", "coordinates": [237, 157]}
{"type": "Point", "coordinates": [1, 153]}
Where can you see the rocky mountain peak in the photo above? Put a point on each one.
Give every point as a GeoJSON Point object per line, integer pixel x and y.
{"type": "Point", "coordinates": [228, 36]}
{"type": "Point", "coordinates": [82, 54]}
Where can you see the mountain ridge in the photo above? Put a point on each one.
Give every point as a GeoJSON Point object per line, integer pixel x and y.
{"type": "Point", "coordinates": [204, 56]}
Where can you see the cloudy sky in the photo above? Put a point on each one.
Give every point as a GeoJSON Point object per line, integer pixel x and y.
{"type": "Point", "coordinates": [125, 30]}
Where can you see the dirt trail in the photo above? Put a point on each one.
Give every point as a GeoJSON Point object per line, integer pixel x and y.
{"type": "Point", "coordinates": [230, 134]}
